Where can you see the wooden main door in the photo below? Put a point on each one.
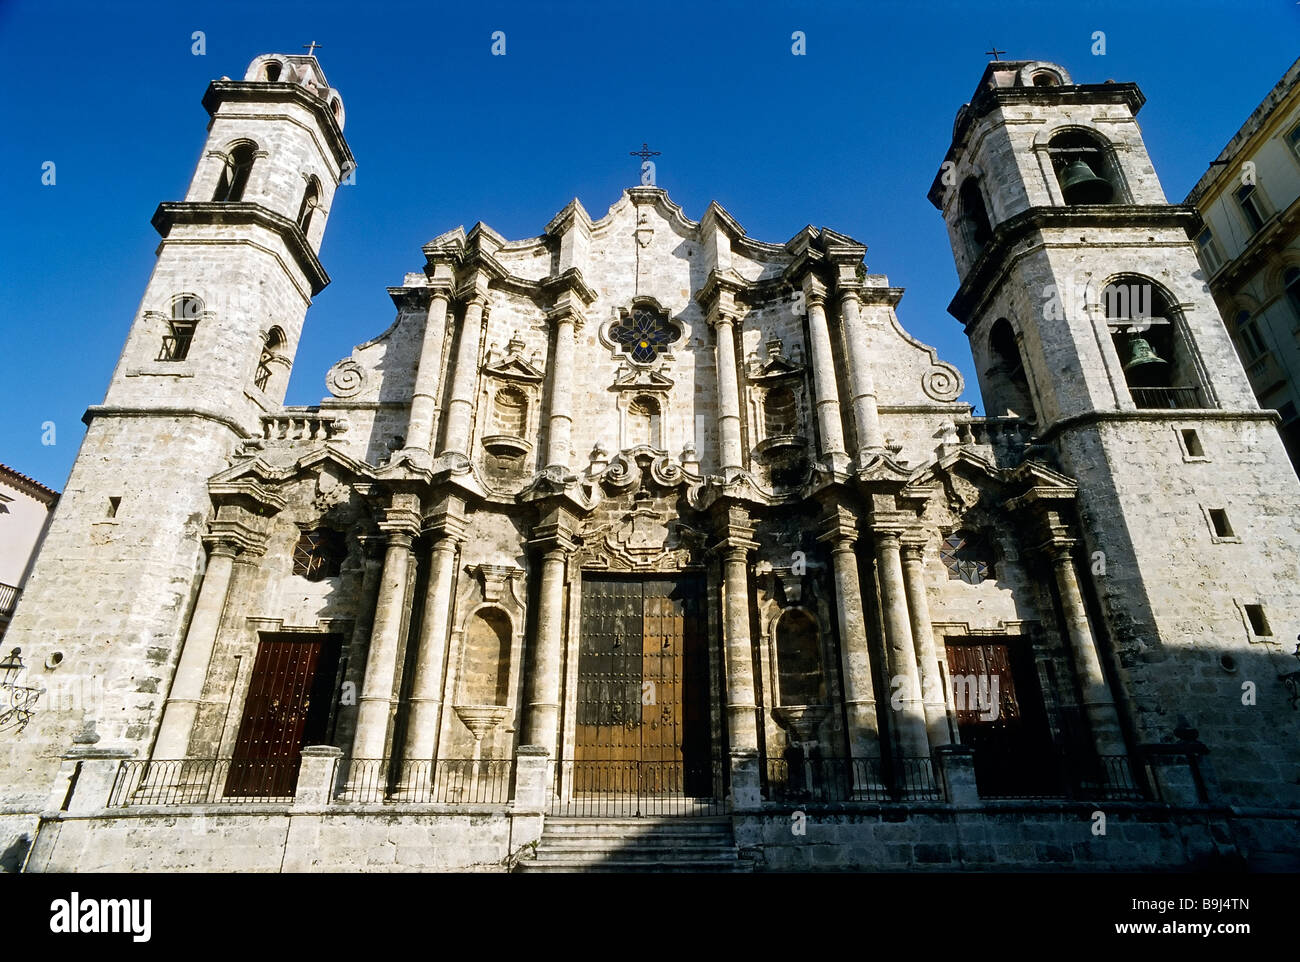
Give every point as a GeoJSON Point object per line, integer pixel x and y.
{"type": "Point", "coordinates": [1000, 715]}
{"type": "Point", "coordinates": [288, 706]}
{"type": "Point", "coordinates": [643, 700]}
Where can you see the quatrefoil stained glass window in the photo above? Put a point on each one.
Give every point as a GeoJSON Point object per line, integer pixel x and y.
{"type": "Point", "coordinates": [967, 557]}
{"type": "Point", "coordinates": [643, 334]}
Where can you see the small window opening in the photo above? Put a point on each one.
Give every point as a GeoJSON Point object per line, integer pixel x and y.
{"type": "Point", "coordinates": [1044, 80]}
{"type": "Point", "coordinates": [186, 311]}
{"type": "Point", "coordinates": [974, 217]}
{"type": "Point", "coordinates": [1219, 521]}
{"type": "Point", "coordinates": [273, 71]}
{"type": "Point", "coordinates": [319, 554]}
{"type": "Point", "coordinates": [113, 505]}
{"type": "Point", "coordinates": [1258, 621]}
{"type": "Point", "coordinates": [1083, 169]}
{"type": "Point", "coordinates": [1249, 201]}
{"type": "Point", "coordinates": [234, 177]}
{"type": "Point", "coordinates": [968, 557]}
{"type": "Point", "coordinates": [1192, 442]}
{"type": "Point", "coordinates": [310, 203]}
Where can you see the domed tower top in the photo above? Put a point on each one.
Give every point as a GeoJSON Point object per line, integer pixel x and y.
{"type": "Point", "coordinates": [301, 69]}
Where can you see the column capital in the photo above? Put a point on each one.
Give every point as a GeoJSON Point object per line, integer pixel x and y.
{"type": "Point", "coordinates": [814, 290]}
{"type": "Point", "coordinates": [221, 547]}
{"type": "Point", "coordinates": [566, 313]}
{"type": "Point", "coordinates": [401, 525]}
{"type": "Point", "coordinates": [718, 295]}
{"type": "Point", "coordinates": [887, 537]}
{"type": "Point", "coordinates": [913, 547]}
{"type": "Point", "coordinates": [229, 538]}
{"type": "Point", "coordinates": [838, 528]}
{"type": "Point", "coordinates": [474, 289]}
{"type": "Point", "coordinates": [719, 317]}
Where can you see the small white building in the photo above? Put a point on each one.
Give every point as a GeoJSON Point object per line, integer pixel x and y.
{"type": "Point", "coordinates": [25, 509]}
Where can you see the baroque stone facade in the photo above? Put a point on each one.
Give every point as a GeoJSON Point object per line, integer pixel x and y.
{"type": "Point", "coordinates": [645, 522]}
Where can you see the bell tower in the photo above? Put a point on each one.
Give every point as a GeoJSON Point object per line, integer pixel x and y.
{"type": "Point", "coordinates": [1089, 314]}
{"type": "Point", "coordinates": [207, 355]}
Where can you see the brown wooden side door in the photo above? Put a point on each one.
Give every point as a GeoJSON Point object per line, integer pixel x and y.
{"type": "Point", "coordinates": [1000, 715]}
{"type": "Point", "coordinates": [287, 707]}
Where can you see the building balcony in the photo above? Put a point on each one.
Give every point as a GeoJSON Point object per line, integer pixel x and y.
{"type": "Point", "coordinates": [8, 600]}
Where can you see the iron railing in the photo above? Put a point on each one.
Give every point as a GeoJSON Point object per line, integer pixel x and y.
{"type": "Point", "coordinates": [634, 788]}
{"type": "Point", "coordinates": [1163, 398]}
{"type": "Point", "coordinates": [450, 781]}
{"type": "Point", "coordinates": [1057, 774]}
{"type": "Point", "coordinates": [805, 779]}
{"type": "Point", "coordinates": [8, 599]}
{"type": "Point", "coordinates": [204, 781]}
{"type": "Point", "coordinates": [175, 347]}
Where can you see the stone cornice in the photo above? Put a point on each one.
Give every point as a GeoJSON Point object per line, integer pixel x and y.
{"type": "Point", "coordinates": [979, 280]}
{"type": "Point", "coordinates": [140, 411]}
{"type": "Point", "coordinates": [1162, 414]}
{"type": "Point", "coordinates": [225, 213]}
{"type": "Point", "coordinates": [567, 286]}
{"type": "Point", "coordinates": [244, 91]}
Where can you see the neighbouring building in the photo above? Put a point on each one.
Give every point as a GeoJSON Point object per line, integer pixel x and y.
{"type": "Point", "coordinates": [645, 543]}
{"type": "Point", "coordinates": [25, 507]}
{"type": "Point", "coordinates": [1249, 200]}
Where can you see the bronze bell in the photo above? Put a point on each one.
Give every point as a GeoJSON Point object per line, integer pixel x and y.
{"type": "Point", "coordinates": [1081, 186]}
{"type": "Point", "coordinates": [1140, 354]}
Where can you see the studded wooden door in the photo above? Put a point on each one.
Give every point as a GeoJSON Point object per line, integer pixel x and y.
{"type": "Point", "coordinates": [287, 707]}
{"type": "Point", "coordinates": [642, 719]}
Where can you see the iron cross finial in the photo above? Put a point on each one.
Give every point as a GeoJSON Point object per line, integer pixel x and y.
{"type": "Point", "coordinates": [312, 47]}
{"type": "Point", "coordinates": [995, 52]}
{"type": "Point", "coordinates": [645, 153]}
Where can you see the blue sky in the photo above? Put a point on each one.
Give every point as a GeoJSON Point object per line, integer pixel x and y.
{"type": "Point", "coordinates": [848, 136]}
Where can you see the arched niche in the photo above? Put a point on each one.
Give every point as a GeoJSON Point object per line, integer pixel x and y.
{"type": "Point", "coordinates": [800, 680]}
{"type": "Point", "coordinates": [486, 672]}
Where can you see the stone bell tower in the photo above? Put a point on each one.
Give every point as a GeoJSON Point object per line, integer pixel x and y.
{"type": "Point", "coordinates": [1088, 312]}
{"type": "Point", "coordinates": [208, 354]}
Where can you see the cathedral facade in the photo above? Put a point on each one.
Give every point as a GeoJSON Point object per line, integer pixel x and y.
{"type": "Point", "coordinates": [644, 542]}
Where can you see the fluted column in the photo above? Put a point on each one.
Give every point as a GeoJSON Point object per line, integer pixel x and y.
{"type": "Point", "coordinates": [427, 681]}
{"type": "Point", "coordinates": [866, 416]}
{"type": "Point", "coordinates": [376, 701]}
{"type": "Point", "coordinates": [460, 407]}
{"type": "Point", "coordinates": [542, 718]}
{"type": "Point", "coordinates": [192, 670]}
{"type": "Point", "coordinates": [729, 447]}
{"type": "Point", "coordinates": [825, 387]}
{"type": "Point", "coordinates": [1098, 703]}
{"type": "Point", "coordinates": [855, 648]}
{"type": "Point", "coordinates": [938, 725]}
{"type": "Point", "coordinates": [560, 423]}
{"type": "Point", "coordinates": [419, 427]}
{"type": "Point", "coordinates": [905, 688]}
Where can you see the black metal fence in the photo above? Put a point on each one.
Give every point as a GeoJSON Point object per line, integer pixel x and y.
{"type": "Point", "coordinates": [632, 788]}
{"type": "Point", "coordinates": [812, 779]}
{"type": "Point", "coordinates": [1166, 397]}
{"type": "Point", "coordinates": [450, 781]}
{"type": "Point", "coordinates": [1058, 774]}
{"type": "Point", "coordinates": [204, 781]}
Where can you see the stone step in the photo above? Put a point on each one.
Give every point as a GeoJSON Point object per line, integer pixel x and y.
{"type": "Point", "coordinates": [636, 845]}
{"type": "Point", "coordinates": [623, 864]}
{"type": "Point", "coordinates": [592, 847]}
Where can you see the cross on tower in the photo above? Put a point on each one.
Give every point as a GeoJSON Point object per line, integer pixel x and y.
{"type": "Point", "coordinates": [311, 48]}
{"type": "Point", "coordinates": [994, 52]}
{"type": "Point", "coordinates": [645, 153]}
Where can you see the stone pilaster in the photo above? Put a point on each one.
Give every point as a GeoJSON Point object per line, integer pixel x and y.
{"type": "Point", "coordinates": [192, 670]}
{"type": "Point", "coordinates": [553, 542]}
{"type": "Point", "coordinates": [1098, 703]}
{"type": "Point", "coordinates": [718, 298]}
{"type": "Point", "coordinates": [905, 687]}
{"type": "Point", "coordinates": [460, 407]}
{"type": "Point", "coordinates": [866, 416]}
{"type": "Point", "coordinates": [734, 548]}
{"type": "Point", "coordinates": [424, 402]}
{"type": "Point", "coordinates": [826, 391]}
{"type": "Point", "coordinates": [839, 532]}
{"type": "Point", "coordinates": [939, 726]}
{"type": "Point", "coordinates": [401, 524]}
{"type": "Point", "coordinates": [447, 530]}
{"type": "Point", "coordinates": [559, 447]}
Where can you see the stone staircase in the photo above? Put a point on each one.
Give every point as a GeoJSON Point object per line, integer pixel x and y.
{"type": "Point", "coordinates": [636, 845]}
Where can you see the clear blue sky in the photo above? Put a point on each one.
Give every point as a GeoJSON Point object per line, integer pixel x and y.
{"type": "Point", "coordinates": [848, 136]}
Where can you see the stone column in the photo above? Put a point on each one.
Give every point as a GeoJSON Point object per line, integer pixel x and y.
{"type": "Point", "coordinates": [905, 684]}
{"type": "Point", "coordinates": [559, 451]}
{"type": "Point", "coordinates": [737, 646]}
{"type": "Point", "coordinates": [376, 701]}
{"type": "Point", "coordinates": [825, 388]}
{"type": "Point", "coordinates": [460, 408]}
{"type": "Point", "coordinates": [419, 427]}
{"type": "Point", "coordinates": [427, 680]}
{"type": "Point", "coordinates": [192, 670]}
{"type": "Point", "coordinates": [866, 417]}
{"type": "Point", "coordinates": [937, 723]}
{"type": "Point", "coordinates": [542, 711]}
{"type": "Point", "coordinates": [855, 653]}
{"type": "Point", "coordinates": [729, 447]}
{"type": "Point", "coordinates": [1098, 704]}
